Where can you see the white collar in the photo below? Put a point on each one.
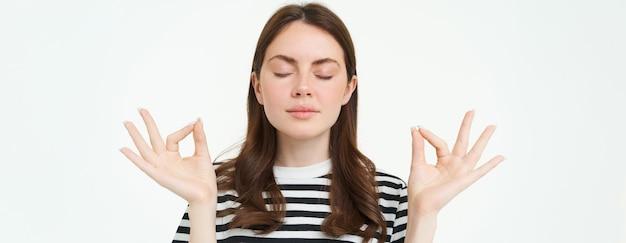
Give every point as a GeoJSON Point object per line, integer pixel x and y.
{"type": "Point", "coordinates": [310, 171]}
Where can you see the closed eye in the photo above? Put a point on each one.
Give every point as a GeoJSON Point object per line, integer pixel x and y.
{"type": "Point", "coordinates": [324, 77]}
{"type": "Point", "coordinates": [281, 75]}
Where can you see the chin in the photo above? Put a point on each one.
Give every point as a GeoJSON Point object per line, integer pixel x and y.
{"type": "Point", "coordinates": [305, 133]}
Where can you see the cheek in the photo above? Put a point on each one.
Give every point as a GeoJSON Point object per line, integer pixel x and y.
{"type": "Point", "coordinates": [332, 98]}
{"type": "Point", "coordinates": [271, 93]}
{"type": "Point", "coordinates": [335, 93]}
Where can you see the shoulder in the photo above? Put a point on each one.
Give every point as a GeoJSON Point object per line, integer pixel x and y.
{"type": "Point", "coordinates": [392, 198]}
{"type": "Point", "coordinates": [388, 180]}
{"type": "Point", "coordinates": [392, 190]}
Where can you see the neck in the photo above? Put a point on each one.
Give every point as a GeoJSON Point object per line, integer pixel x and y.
{"type": "Point", "coordinates": [298, 153]}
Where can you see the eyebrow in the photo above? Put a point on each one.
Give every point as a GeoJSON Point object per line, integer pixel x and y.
{"type": "Point", "coordinates": [291, 60]}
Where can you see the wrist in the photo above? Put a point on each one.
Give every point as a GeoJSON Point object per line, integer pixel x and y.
{"type": "Point", "coordinates": [424, 214]}
{"type": "Point", "coordinates": [203, 203]}
{"type": "Point", "coordinates": [421, 226]}
{"type": "Point", "coordinates": [422, 218]}
{"type": "Point", "coordinates": [202, 220]}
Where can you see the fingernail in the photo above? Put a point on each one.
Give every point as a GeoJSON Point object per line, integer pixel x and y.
{"type": "Point", "coordinates": [414, 128]}
{"type": "Point", "coordinates": [124, 122]}
{"type": "Point", "coordinates": [139, 109]}
{"type": "Point", "coordinates": [191, 123]}
{"type": "Point", "coordinates": [422, 127]}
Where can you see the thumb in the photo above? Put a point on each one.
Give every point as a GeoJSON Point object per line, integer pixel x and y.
{"type": "Point", "coordinates": [417, 157]}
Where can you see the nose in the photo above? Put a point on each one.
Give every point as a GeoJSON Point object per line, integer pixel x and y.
{"type": "Point", "coordinates": [302, 88]}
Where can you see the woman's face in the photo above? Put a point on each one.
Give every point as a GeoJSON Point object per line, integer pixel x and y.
{"type": "Point", "coordinates": [303, 82]}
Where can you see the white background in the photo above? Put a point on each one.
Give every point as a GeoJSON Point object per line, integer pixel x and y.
{"type": "Point", "coordinates": [551, 75]}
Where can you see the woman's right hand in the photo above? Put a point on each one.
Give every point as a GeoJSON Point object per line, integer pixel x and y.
{"type": "Point", "coordinates": [192, 178]}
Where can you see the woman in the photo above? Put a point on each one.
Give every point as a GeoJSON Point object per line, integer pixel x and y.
{"type": "Point", "coordinates": [299, 175]}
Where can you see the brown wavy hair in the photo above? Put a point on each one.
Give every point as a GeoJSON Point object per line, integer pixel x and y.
{"type": "Point", "coordinates": [353, 191]}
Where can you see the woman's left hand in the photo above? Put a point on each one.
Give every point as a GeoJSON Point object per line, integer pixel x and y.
{"type": "Point", "coordinates": [430, 186]}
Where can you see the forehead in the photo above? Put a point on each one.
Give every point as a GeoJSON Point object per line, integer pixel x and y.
{"type": "Point", "coordinates": [305, 43]}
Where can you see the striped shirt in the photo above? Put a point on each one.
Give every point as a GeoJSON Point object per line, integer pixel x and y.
{"type": "Point", "coordinates": [306, 191]}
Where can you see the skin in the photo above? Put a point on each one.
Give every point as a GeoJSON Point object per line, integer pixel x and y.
{"type": "Point", "coordinates": [303, 66]}
{"type": "Point", "coordinates": [292, 74]}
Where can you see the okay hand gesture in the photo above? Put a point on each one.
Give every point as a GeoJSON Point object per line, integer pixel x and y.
{"type": "Point", "coordinates": [432, 186]}
{"type": "Point", "coordinates": [192, 177]}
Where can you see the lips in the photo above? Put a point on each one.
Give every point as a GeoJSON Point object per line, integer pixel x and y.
{"type": "Point", "coordinates": [302, 112]}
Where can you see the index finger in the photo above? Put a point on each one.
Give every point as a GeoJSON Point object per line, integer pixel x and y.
{"type": "Point", "coordinates": [441, 148]}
